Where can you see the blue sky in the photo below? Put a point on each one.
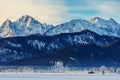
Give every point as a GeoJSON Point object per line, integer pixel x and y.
{"type": "Point", "coordinates": [59, 11]}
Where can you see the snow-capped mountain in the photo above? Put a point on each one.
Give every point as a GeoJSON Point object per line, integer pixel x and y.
{"type": "Point", "coordinates": [103, 27]}
{"type": "Point", "coordinates": [26, 25]}
{"type": "Point", "coordinates": [7, 29]}
{"type": "Point", "coordinates": [109, 27]}
{"type": "Point", "coordinates": [71, 27]}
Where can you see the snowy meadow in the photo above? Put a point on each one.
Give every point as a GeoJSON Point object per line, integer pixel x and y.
{"type": "Point", "coordinates": [57, 76]}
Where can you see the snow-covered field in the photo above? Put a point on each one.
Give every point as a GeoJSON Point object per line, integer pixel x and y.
{"type": "Point", "coordinates": [57, 76]}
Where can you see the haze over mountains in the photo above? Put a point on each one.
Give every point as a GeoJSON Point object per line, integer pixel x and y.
{"type": "Point", "coordinates": [93, 42]}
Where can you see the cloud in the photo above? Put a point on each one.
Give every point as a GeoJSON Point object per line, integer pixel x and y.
{"type": "Point", "coordinates": [110, 8]}
{"type": "Point", "coordinates": [105, 8]}
{"type": "Point", "coordinates": [58, 11]}
{"type": "Point", "coordinates": [87, 8]}
{"type": "Point", "coordinates": [12, 9]}
{"type": "Point", "coordinates": [51, 11]}
{"type": "Point", "coordinates": [45, 11]}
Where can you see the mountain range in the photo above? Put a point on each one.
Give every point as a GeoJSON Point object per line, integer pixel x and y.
{"type": "Point", "coordinates": [26, 25]}
{"type": "Point", "coordinates": [93, 42]}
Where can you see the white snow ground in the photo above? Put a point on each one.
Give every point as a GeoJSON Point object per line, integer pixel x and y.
{"type": "Point", "coordinates": [57, 76]}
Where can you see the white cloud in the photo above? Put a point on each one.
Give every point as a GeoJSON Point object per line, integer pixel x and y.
{"type": "Point", "coordinates": [45, 10]}
{"type": "Point", "coordinates": [50, 11]}
{"type": "Point", "coordinates": [109, 8]}
{"type": "Point", "coordinates": [56, 11]}
{"type": "Point", "coordinates": [105, 8]}
{"type": "Point", "coordinates": [12, 9]}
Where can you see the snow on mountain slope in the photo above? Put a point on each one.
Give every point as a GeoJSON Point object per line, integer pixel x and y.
{"type": "Point", "coordinates": [96, 24]}
{"type": "Point", "coordinates": [7, 29]}
{"type": "Point", "coordinates": [29, 46]}
{"type": "Point", "coordinates": [111, 27]}
{"type": "Point", "coordinates": [26, 25]}
{"type": "Point", "coordinates": [72, 26]}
